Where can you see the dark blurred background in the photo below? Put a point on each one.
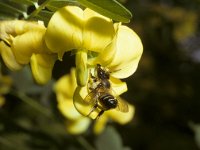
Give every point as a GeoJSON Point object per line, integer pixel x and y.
{"type": "Point", "coordinates": [164, 88]}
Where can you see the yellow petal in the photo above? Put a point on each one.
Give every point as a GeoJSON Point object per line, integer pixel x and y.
{"type": "Point", "coordinates": [118, 86]}
{"type": "Point", "coordinates": [105, 56]}
{"type": "Point", "coordinates": [128, 50]}
{"type": "Point", "coordinates": [8, 57]}
{"type": "Point", "coordinates": [100, 124]}
{"type": "Point", "coordinates": [66, 107]}
{"type": "Point", "coordinates": [66, 84]}
{"type": "Point", "coordinates": [121, 117]}
{"type": "Point", "coordinates": [17, 27]}
{"type": "Point", "coordinates": [98, 31]}
{"type": "Point", "coordinates": [64, 31]}
{"type": "Point", "coordinates": [127, 70]}
{"type": "Point", "coordinates": [25, 45]}
{"type": "Point", "coordinates": [78, 126]}
{"type": "Point", "coordinates": [42, 66]}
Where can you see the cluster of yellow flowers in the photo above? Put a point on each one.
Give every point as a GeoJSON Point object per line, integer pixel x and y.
{"type": "Point", "coordinates": [96, 39]}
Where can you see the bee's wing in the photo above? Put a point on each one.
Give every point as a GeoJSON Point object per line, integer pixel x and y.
{"type": "Point", "coordinates": [91, 97]}
{"type": "Point", "coordinates": [122, 105]}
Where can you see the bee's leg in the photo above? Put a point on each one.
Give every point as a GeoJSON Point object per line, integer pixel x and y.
{"type": "Point", "coordinates": [93, 108]}
{"type": "Point", "coordinates": [100, 113]}
{"type": "Point", "coordinates": [93, 78]}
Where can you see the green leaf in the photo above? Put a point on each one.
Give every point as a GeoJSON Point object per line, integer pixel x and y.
{"type": "Point", "coordinates": [12, 9]}
{"type": "Point", "coordinates": [109, 139]}
{"type": "Point", "coordinates": [44, 16]}
{"type": "Point", "coordinates": [109, 8]}
{"type": "Point", "coordinates": [56, 4]}
{"type": "Point", "coordinates": [8, 8]}
{"type": "Point", "coordinates": [196, 130]}
{"type": "Point", "coordinates": [25, 2]}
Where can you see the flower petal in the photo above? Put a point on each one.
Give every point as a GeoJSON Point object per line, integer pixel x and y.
{"type": "Point", "coordinates": [25, 45]}
{"type": "Point", "coordinates": [118, 86]}
{"type": "Point", "coordinates": [105, 56]}
{"type": "Point", "coordinates": [8, 57]}
{"type": "Point", "coordinates": [127, 71]}
{"type": "Point", "coordinates": [66, 107]}
{"type": "Point", "coordinates": [100, 124]}
{"type": "Point", "coordinates": [17, 27]}
{"type": "Point", "coordinates": [78, 126]}
{"type": "Point", "coordinates": [66, 85]}
{"type": "Point", "coordinates": [98, 31]}
{"type": "Point", "coordinates": [42, 65]}
{"type": "Point", "coordinates": [64, 31]}
{"type": "Point", "coordinates": [121, 117]}
{"type": "Point", "coordinates": [128, 50]}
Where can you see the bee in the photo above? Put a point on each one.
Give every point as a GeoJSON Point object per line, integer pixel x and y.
{"type": "Point", "coordinates": [101, 94]}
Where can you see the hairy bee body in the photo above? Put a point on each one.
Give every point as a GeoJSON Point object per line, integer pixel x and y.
{"type": "Point", "coordinates": [101, 95]}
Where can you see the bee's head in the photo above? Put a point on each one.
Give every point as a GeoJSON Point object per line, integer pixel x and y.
{"type": "Point", "coordinates": [102, 73]}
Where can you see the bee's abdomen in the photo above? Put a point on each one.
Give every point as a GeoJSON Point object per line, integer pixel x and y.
{"type": "Point", "coordinates": [108, 101]}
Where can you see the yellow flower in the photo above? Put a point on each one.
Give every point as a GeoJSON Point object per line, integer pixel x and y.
{"type": "Point", "coordinates": [64, 88]}
{"type": "Point", "coordinates": [96, 39]}
{"type": "Point", "coordinates": [75, 122]}
{"type": "Point", "coordinates": [22, 41]}
{"type": "Point", "coordinates": [74, 28]}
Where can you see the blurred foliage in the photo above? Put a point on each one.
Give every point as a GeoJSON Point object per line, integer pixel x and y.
{"type": "Point", "coordinates": [164, 89]}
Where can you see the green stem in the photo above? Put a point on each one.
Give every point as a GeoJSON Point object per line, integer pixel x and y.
{"type": "Point", "coordinates": [35, 12]}
{"type": "Point", "coordinates": [8, 143]}
{"type": "Point", "coordinates": [85, 143]}
{"type": "Point", "coordinates": [31, 102]}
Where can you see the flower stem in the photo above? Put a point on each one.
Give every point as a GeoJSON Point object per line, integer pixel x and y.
{"type": "Point", "coordinates": [85, 143]}
{"type": "Point", "coordinates": [81, 68]}
{"type": "Point", "coordinates": [31, 102]}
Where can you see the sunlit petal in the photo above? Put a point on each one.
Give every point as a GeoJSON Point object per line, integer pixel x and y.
{"type": "Point", "coordinates": [64, 31]}
{"type": "Point", "coordinates": [127, 70]}
{"type": "Point", "coordinates": [98, 31]}
{"type": "Point", "coordinates": [105, 56]}
{"type": "Point", "coordinates": [128, 50]}
{"type": "Point", "coordinates": [8, 57]}
{"type": "Point", "coordinates": [25, 45]}
{"type": "Point", "coordinates": [118, 86]}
